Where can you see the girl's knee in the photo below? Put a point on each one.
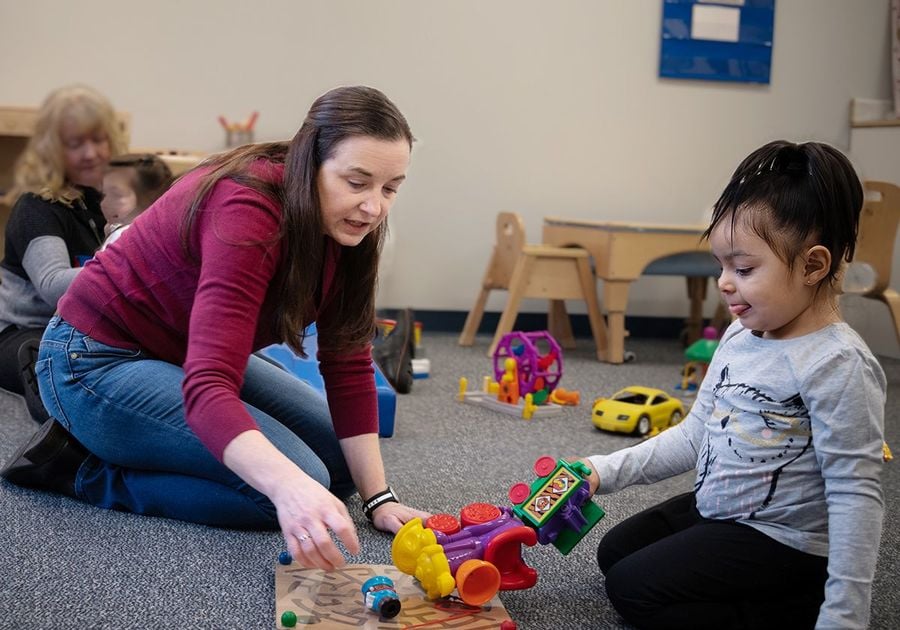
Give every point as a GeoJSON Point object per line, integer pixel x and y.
{"type": "Point", "coordinates": [625, 590]}
{"type": "Point", "coordinates": [606, 558]}
{"type": "Point", "coordinates": [613, 547]}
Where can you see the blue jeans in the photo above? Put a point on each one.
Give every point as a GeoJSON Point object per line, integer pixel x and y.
{"type": "Point", "coordinates": [127, 409]}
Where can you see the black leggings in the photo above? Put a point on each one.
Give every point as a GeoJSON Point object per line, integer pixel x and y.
{"type": "Point", "coordinates": [10, 340]}
{"type": "Point", "coordinates": [668, 567]}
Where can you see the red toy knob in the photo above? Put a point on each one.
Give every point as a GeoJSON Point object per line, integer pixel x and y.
{"type": "Point", "coordinates": [444, 523]}
{"type": "Point", "coordinates": [476, 513]}
{"type": "Point", "coordinates": [544, 466]}
{"type": "Point", "coordinates": [519, 493]}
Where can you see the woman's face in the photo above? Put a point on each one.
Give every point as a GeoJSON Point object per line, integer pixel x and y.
{"type": "Point", "coordinates": [85, 154]}
{"type": "Point", "coordinates": [358, 184]}
{"type": "Point", "coordinates": [119, 198]}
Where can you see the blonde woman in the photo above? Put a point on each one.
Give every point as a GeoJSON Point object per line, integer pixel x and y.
{"type": "Point", "coordinates": [56, 223]}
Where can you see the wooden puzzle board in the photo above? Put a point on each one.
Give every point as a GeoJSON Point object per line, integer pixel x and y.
{"type": "Point", "coordinates": [333, 599]}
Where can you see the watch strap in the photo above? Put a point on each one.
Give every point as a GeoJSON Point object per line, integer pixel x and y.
{"type": "Point", "coordinates": [385, 496]}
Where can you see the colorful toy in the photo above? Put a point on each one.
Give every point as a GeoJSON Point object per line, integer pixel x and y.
{"type": "Point", "coordinates": [698, 355]}
{"type": "Point", "coordinates": [560, 396]}
{"type": "Point", "coordinates": [421, 367]}
{"type": "Point", "coordinates": [481, 553]}
{"type": "Point", "coordinates": [380, 596]}
{"type": "Point", "coordinates": [288, 619]}
{"type": "Point", "coordinates": [638, 410]}
{"type": "Point", "coordinates": [488, 397]}
{"type": "Point", "coordinates": [535, 371]}
{"type": "Point", "coordinates": [527, 369]}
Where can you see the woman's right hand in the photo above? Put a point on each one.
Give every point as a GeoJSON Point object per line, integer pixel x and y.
{"type": "Point", "coordinates": [307, 514]}
{"type": "Point", "coordinates": [307, 511]}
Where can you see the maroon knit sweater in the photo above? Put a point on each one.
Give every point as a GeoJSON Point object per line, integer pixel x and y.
{"type": "Point", "coordinates": [209, 314]}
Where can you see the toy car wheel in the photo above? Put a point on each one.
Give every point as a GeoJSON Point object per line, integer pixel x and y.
{"type": "Point", "coordinates": [643, 425]}
{"type": "Point", "coordinates": [675, 419]}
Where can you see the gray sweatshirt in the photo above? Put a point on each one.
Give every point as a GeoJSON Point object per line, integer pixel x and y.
{"type": "Point", "coordinates": [786, 437]}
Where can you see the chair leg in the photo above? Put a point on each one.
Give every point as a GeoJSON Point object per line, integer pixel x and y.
{"type": "Point", "coordinates": [595, 317]}
{"type": "Point", "coordinates": [559, 324]}
{"type": "Point", "coordinates": [517, 284]}
{"type": "Point", "coordinates": [696, 288]}
{"type": "Point", "coordinates": [892, 299]}
{"type": "Point", "coordinates": [473, 319]}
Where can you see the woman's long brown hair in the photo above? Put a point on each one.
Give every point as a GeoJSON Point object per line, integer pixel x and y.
{"type": "Point", "coordinates": [335, 116]}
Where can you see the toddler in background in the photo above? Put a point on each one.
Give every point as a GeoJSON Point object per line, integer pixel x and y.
{"type": "Point", "coordinates": [782, 527]}
{"type": "Point", "coordinates": [131, 184]}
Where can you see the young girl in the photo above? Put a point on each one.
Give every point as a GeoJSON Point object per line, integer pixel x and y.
{"type": "Point", "coordinates": [161, 407]}
{"type": "Point", "coordinates": [783, 525]}
{"type": "Point", "coordinates": [131, 183]}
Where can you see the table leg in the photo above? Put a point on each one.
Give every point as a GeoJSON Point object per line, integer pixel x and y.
{"type": "Point", "coordinates": [615, 299]}
{"type": "Point", "coordinates": [559, 324]}
{"type": "Point", "coordinates": [696, 288]}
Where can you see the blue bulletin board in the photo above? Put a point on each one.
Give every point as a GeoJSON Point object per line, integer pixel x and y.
{"type": "Point", "coordinates": [722, 40]}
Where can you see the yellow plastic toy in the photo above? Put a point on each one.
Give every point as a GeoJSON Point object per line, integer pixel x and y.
{"type": "Point", "coordinates": [415, 552]}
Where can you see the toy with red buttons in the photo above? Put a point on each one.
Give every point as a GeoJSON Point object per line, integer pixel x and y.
{"type": "Point", "coordinates": [480, 553]}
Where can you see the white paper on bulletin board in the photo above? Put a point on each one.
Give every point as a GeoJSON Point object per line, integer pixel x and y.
{"type": "Point", "coordinates": [721, 24]}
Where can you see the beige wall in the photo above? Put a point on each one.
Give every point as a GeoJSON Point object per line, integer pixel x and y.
{"type": "Point", "coordinates": [535, 106]}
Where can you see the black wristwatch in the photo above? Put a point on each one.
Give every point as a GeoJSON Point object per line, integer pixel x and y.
{"type": "Point", "coordinates": [385, 496]}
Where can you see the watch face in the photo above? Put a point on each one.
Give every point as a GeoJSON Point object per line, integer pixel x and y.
{"type": "Point", "coordinates": [859, 277]}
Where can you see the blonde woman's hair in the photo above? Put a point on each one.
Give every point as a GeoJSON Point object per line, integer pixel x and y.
{"type": "Point", "coordinates": [41, 167]}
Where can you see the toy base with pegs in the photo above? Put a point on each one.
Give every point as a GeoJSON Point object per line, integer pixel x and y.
{"type": "Point", "coordinates": [485, 399]}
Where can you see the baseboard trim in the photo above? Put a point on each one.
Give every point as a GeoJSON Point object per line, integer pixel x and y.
{"type": "Point", "coordinates": [637, 326]}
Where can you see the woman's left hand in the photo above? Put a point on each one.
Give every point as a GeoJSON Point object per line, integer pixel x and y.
{"type": "Point", "coordinates": [390, 517]}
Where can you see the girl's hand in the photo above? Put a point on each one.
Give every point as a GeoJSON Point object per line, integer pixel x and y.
{"type": "Point", "coordinates": [307, 514]}
{"type": "Point", "coordinates": [390, 517]}
{"type": "Point", "coordinates": [594, 478]}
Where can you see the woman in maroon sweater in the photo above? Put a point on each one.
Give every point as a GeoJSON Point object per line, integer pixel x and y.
{"type": "Point", "coordinates": [159, 404]}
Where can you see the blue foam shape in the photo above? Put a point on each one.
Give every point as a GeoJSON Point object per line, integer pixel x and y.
{"type": "Point", "coordinates": [308, 370]}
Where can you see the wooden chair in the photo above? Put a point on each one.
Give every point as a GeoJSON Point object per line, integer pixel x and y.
{"type": "Point", "coordinates": [536, 271]}
{"type": "Point", "coordinates": [869, 275]}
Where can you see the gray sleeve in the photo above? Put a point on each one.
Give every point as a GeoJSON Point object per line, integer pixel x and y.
{"type": "Point", "coordinates": [46, 261]}
{"type": "Point", "coordinates": [848, 431]}
{"type": "Point", "coordinates": [670, 453]}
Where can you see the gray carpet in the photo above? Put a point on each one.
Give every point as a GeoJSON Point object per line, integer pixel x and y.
{"type": "Point", "coordinates": [69, 565]}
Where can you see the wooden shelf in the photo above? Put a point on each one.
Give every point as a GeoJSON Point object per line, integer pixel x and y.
{"type": "Point", "coordinates": [20, 121]}
{"type": "Point", "coordinates": [16, 127]}
{"type": "Point", "coordinates": [889, 122]}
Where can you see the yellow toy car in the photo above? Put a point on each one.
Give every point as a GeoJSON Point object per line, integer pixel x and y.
{"type": "Point", "coordinates": [638, 410]}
